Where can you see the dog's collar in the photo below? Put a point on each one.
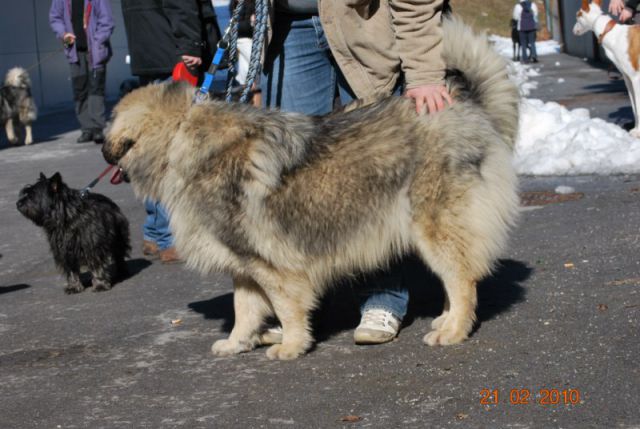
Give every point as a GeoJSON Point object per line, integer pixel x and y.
{"type": "Point", "coordinates": [607, 28]}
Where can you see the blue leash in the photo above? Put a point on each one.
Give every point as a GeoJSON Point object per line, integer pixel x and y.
{"type": "Point", "coordinates": [229, 43]}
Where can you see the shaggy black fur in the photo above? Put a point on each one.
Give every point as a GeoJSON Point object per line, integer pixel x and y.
{"type": "Point", "coordinates": [88, 231]}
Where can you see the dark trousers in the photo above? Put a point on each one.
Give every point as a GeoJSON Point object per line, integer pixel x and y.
{"type": "Point", "coordinates": [528, 41]}
{"type": "Point", "coordinates": [88, 93]}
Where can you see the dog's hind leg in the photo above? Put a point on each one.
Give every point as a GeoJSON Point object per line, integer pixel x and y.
{"type": "Point", "coordinates": [102, 278]}
{"type": "Point", "coordinates": [446, 260]}
{"type": "Point", "coordinates": [633, 88]}
{"type": "Point", "coordinates": [29, 136]}
{"type": "Point", "coordinates": [73, 284]}
{"type": "Point", "coordinates": [251, 307]}
{"type": "Point", "coordinates": [11, 134]}
{"type": "Point", "coordinates": [293, 296]}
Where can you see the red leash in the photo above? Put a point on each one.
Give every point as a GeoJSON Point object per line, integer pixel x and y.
{"type": "Point", "coordinates": [114, 180]}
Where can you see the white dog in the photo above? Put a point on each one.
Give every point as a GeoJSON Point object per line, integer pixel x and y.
{"type": "Point", "coordinates": [621, 43]}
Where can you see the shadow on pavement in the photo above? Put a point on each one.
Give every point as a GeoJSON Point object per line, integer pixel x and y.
{"type": "Point", "coordinates": [134, 266]}
{"type": "Point", "coordinates": [13, 288]}
{"type": "Point", "coordinates": [339, 309]}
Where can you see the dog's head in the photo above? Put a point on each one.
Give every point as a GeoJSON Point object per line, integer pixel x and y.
{"type": "Point", "coordinates": [37, 201]}
{"type": "Point", "coordinates": [18, 78]}
{"type": "Point", "coordinates": [587, 16]}
{"type": "Point", "coordinates": [145, 120]}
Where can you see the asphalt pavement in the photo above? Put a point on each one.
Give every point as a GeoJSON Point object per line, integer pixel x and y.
{"type": "Point", "coordinates": [556, 345]}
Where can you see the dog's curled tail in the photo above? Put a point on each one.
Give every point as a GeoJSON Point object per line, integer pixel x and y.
{"type": "Point", "coordinates": [485, 75]}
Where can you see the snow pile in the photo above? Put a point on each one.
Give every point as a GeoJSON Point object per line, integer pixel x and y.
{"type": "Point", "coordinates": [504, 46]}
{"type": "Point", "coordinates": [555, 141]}
{"type": "Point", "coordinates": [520, 75]}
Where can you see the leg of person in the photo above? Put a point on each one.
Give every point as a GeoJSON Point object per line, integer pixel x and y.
{"type": "Point", "coordinates": [149, 231]}
{"type": "Point", "coordinates": [80, 82]}
{"type": "Point", "coordinates": [531, 41]}
{"type": "Point", "coordinates": [299, 75]}
{"type": "Point", "coordinates": [95, 102]}
{"type": "Point", "coordinates": [168, 254]}
{"type": "Point", "coordinates": [386, 301]}
{"type": "Point", "coordinates": [523, 46]}
{"type": "Point", "coordinates": [384, 307]}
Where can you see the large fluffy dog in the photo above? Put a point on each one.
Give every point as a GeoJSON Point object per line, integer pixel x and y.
{"type": "Point", "coordinates": [16, 104]}
{"type": "Point", "coordinates": [286, 203]}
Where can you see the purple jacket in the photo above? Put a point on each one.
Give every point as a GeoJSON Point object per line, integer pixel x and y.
{"type": "Point", "coordinates": [98, 24]}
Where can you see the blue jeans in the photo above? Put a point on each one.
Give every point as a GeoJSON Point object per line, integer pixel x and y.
{"type": "Point", "coordinates": [300, 75]}
{"type": "Point", "coordinates": [156, 225]}
{"type": "Point", "coordinates": [528, 40]}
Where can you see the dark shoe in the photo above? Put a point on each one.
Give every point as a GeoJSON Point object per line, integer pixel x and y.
{"type": "Point", "coordinates": [170, 256]}
{"type": "Point", "coordinates": [85, 137]}
{"type": "Point", "coordinates": [149, 248]}
{"type": "Point", "coordinates": [535, 60]}
{"type": "Point", "coordinates": [98, 136]}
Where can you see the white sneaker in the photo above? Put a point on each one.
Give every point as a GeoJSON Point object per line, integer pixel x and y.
{"type": "Point", "coordinates": [377, 326]}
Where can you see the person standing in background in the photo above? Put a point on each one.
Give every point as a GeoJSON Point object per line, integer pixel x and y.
{"type": "Point", "coordinates": [526, 14]}
{"type": "Point", "coordinates": [161, 34]}
{"type": "Point", "coordinates": [85, 26]}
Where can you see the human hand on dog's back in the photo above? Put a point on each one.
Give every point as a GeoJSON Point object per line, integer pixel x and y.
{"type": "Point", "coordinates": [616, 7]}
{"type": "Point", "coordinates": [432, 97]}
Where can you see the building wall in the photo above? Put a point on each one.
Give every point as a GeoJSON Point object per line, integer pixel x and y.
{"type": "Point", "coordinates": [27, 41]}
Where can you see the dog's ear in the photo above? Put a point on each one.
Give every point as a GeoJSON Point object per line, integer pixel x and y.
{"type": "Point", "coordinates": [42, 176]}
{"type": "Point", "coordinates": [585, 5]}
{"type": "Point", "coordinates": [55, 182]}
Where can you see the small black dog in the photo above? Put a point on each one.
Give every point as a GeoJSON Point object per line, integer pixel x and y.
{"type": "Point", "coordinates": [515, 39]}
{"type": "Point", "coordinates": [83, 231]}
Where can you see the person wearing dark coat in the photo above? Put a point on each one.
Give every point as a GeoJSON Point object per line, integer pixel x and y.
{"type": "Point", "coordinates": [160, 34]}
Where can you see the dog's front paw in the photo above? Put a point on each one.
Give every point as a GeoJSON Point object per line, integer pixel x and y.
{"type": "Point", "coordinates": [100, 286]}
{"type": "Point", "coordinates": [444, 337]}
{"type": "Point", "coordinates": [71, 289]}
{"type": "Point", "coordinates": [635, 133]}
{"type": "Point", "coordinates": [228, 347]}
{"type": "Point", "coordinates": [284, 352]}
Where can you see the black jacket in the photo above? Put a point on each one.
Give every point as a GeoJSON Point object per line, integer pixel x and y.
{"type": "Point", "coordinates": [159, 32]}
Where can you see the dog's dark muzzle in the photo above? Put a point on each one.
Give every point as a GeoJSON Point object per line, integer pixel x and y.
{"type": "Point", "coordinates": [113, 156]}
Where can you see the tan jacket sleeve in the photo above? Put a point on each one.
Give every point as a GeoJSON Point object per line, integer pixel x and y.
{"type": "Point", "coordinates": [418, 32]}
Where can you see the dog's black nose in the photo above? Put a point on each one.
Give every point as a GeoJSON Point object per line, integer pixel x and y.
{"type": "Point", "coordinates": [106, 153]}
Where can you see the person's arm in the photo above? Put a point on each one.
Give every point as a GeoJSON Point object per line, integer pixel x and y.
{"type": "Point", "coordinates": [185, 25]}
{"type": "Point", "coordinates": [56, 18]}
{"type": "Point", "coordinates": [534, 10]}
{"type": "Point", "coordinates": [517, 11]}
{"type": "Point", "coordinates": [419, 42]}
{"type": "Point", "coordinates": [105, 24]}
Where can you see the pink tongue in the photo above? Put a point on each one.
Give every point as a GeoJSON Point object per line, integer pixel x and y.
{"type": "Point", "coordinates": [116, 179]}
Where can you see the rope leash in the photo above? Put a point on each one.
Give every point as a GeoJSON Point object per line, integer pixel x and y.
{"type": "Point", "coordinates": [229, 45]}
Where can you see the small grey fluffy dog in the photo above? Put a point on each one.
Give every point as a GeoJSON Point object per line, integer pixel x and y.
{"type": "Point", "coordinates": [16, 104]}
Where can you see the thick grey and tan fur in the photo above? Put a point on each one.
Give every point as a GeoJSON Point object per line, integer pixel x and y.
{"type": "Point", "coordinates": [287, 203]}
{"type": "Point", "coordinates": [17, 107]}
